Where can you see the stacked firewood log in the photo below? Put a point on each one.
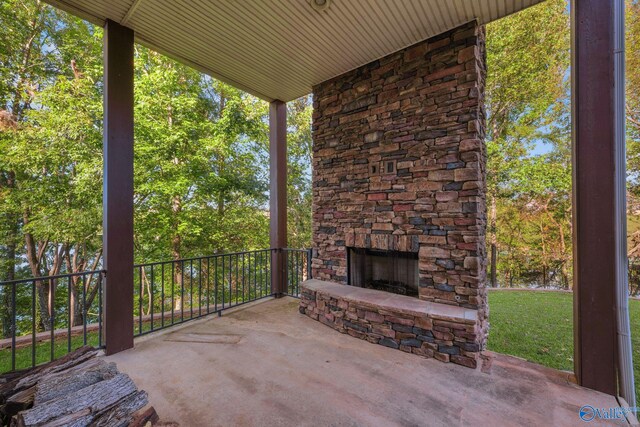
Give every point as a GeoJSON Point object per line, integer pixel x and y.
{"type": "Point", "coordinates": [78, 389]}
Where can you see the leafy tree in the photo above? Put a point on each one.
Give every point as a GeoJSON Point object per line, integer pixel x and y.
{"type": "Point", "coordinates": [299, 172]}
{"type": "Point", "coordinates": [527, 57]}
{"type": "Point", "coordinates": [48, 193]}
{"type": "Point", "coordinates": [199, 187]}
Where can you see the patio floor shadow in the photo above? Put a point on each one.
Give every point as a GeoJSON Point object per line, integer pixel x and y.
{"type": "Point", "coordinates": [265, 364]}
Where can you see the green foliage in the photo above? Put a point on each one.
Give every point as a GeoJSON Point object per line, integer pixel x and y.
{"type": "Point", "coordinates": [199, 147]}
{"type": "Point", "coordinates": [299, 172]}
{"type": "Point", "coordinates": [200, 167]}
{"type": "Point", "coordinates": [527, 106]}
{"type": "Point", "coordinates": [527, 55]}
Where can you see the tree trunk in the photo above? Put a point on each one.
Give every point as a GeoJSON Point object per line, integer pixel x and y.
{"type": "Point", "coordinates": [10, 273]}
{"type": "Point", "coordinates": [544, 256]}
{"type": "Point", "coordinates": [494, 242]}
{"type": "Point", "coordinates": [42, 288]}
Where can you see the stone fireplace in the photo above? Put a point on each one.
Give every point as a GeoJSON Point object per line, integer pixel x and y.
{"type": "Point", "coordinates": [389, 271]}
{"type": "Point", "coordinates": [399, 180]}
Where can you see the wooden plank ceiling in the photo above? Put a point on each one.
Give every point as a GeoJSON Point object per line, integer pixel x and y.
{"type": "Point", "coordinates": [279, 49]}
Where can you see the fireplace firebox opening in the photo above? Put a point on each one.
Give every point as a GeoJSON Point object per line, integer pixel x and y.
{"type": "Point", "coordinates": [389, 271]}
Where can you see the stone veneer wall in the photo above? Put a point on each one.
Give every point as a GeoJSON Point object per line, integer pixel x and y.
{"type": "Point", "coordinates": [421, 109]}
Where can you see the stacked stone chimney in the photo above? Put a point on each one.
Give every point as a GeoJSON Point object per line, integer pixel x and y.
{"type": "Point", "coordinates": [399, 164]}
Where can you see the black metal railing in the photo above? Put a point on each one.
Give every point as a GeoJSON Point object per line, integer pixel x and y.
{"type": "Point", "coordinates": [173, 292]}
{"type": "Point", "coordinates": [297, 269]}
{"type": "Point", "coordinates": [46, 317]}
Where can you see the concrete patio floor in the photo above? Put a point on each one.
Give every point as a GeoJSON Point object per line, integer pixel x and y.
{"type": "Point", "coordinates": [265, 364]}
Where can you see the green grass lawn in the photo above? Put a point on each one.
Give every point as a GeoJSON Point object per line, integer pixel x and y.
{"type": "Point", "coordinates": [538, 326]}
{"type": "Point", "coordinates": [43, 351]}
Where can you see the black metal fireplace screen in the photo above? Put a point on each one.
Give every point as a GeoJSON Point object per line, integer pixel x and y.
{"type": "Point", "coordinates": [389, 271]}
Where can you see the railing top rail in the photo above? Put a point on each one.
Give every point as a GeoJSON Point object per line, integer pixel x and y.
{"type": "Point", "coordinates": [84, 273]}
{"type": "Point", "coordinates": [45, 278]}
{"type": "Point", "coordinates": [226, 254]}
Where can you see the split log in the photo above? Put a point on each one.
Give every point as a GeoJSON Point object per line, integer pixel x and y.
{"type": "Point", "coordinates": [33, 377]}
{"type": "Point", "coordinates": [118, 415]}
{"type": "Point", "coordinates": [9, 376]}
{"type": "Point", "coordinates": [18, 402]}
{"type": "Point", "coordinates": [80, 376]}
{"type": "Point", "coordinates": [97, 397]}
{"type": "Point", "coordinates": [121, 414]}
{"type": "Point", "coordinates": [143, 418]}
{"type": "Point", "coordinates": [78, 419]}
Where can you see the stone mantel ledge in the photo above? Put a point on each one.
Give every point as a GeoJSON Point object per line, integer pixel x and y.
{"type": "Point", "coordinates": [392, 302]}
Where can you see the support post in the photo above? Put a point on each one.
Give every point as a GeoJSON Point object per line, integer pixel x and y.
{"type": "Point", "coordinates": [117, 198]}
{"type": "Point", "coordinates": [278, 193]}
{"type": "Point", "coordinates": [596, 200]}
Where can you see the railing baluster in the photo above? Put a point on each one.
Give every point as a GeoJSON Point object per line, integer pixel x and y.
{"type": "Point", "coordinates": [288, 265]}
{"type": "Point", "coordinates": [208, 284]}
{"type": "Point", "coordinates": [294, 273]}
{"type": "Point", "coordinates": [262, 278]}
{"type": "Point", "coordinates": [300, 271]}
{"type": "Point", "coordinates": [152, 293]}
{"type": "Point", "coordinates": [191, 289]}
{"type": "Point", "coordinates": [33, 324]}
{"type": "Point", "coordinates": [173, 290]}
{"type": "Point", "coordinates": [162, 304]}
{"type": "Point", "coordinates": [84, 312]}
{"type": "Point", "coordinates": [101, 280]}
{"type": "Point", "coordinates": [52, 315]}
{"type": "Point", "coordinates": [237, 281]}
{"type": "Point", "coordinates": [182, 292]}
{"type": "Point", "coordinates": [69, 315]}
{"type": "Point", "coordinates": [244, 298]}
{"type": "Point", "coordinates": [269, 284]}
{"type": "Point", "coordinates": [13, 326]}
{"type": "Point", "coordinates": [140, 301]}
{"type": "Point", "coordinates": [259, 273]}
{"type": "Point", "coordinates": [255, 275]}
{"type": "Point", "coordinates": [215, 282]}
{"type": "Point", "coordinates": [223, 280]}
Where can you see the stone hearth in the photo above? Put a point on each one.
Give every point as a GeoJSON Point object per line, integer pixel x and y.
{"type": "Point", "coordinates": [445, 332]}
{"type": "Point", "coordinates": [399, 165]}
